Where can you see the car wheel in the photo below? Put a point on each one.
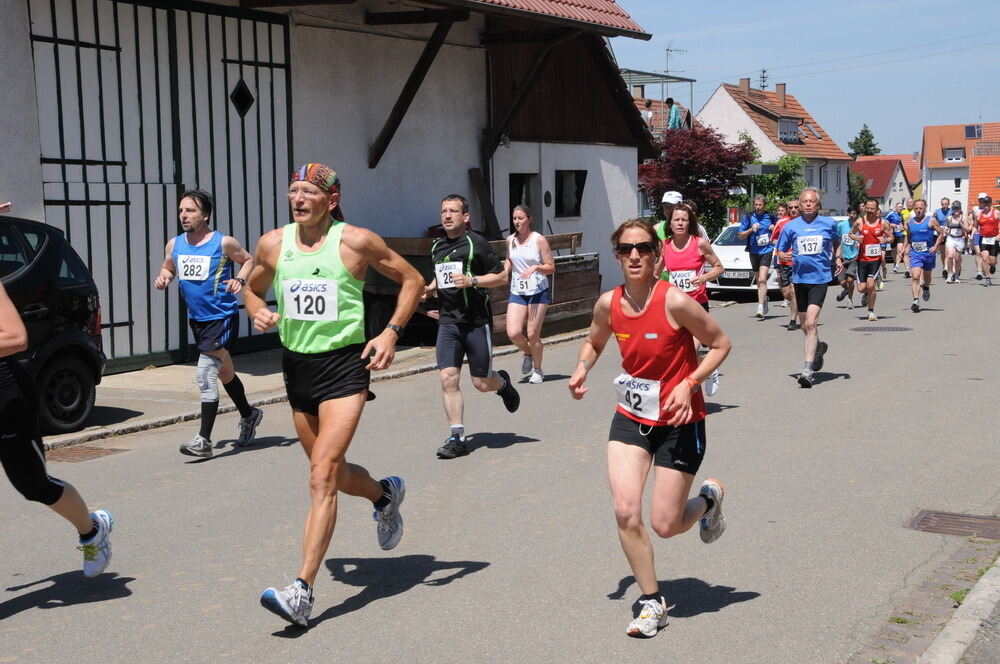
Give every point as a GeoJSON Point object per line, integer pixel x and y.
{"type": "Point", "coordinates": [66, 391]}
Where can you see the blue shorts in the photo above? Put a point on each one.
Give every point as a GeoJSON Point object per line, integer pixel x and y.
{"type": "Point", "coordinates": [545, 297]}
{"type": "Point", "coordinates": [922, 260]}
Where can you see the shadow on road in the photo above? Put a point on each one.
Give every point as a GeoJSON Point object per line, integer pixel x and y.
{"type": "Point", "coordinates": [495, 441]}
{"type": "Point", "coordinates": [548, 378]}
{"type": "Point", "coordinates": [823, 376]}
{"type": "Point", "coordinates": [689, 597]}
{"type": "Point", "coordinates": [257, 445]}
{"type": "Point", "coordinates": [103, 416]}
{"type": "Point", "coordinates": [381, 578]}
{"type": "Point", "coordinates": [712, 407]}
{"type": "Point", "coordinates": [67, 589]}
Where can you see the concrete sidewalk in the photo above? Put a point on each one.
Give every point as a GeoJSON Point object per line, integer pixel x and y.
{"type": "Point", "coordinates": [160, 396]}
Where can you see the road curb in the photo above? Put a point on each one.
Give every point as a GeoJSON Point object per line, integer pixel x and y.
{"type": "Point", "coordinates": [959, 633]}
{"type": "Point", "coordinates": [267, 399]}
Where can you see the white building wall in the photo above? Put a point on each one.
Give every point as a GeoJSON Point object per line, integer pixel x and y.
{"type": "Point", "coordinates": [899, 190]}
{"type": "Point", "coordinates": [824, 177]}
{"type": "Point", "coordinates": [609, 196]}
{"type": "Point", "coordinates": [20, 169]}
{"type": "Point", "coordinates": [344, 85]}
{"type": "Point", "coordinates": [940, 182]}
{"type": "Point", "coordinates": [721, 112]}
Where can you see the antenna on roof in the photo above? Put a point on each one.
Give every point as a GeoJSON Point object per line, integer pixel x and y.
{"type": "Point", "coordinates": [763, 79]}
{"type": "Point", "coordinates": [667, 51]}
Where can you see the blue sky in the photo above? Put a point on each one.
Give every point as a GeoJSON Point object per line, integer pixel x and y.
{"type": "Point", "coordinates": [902, 64]}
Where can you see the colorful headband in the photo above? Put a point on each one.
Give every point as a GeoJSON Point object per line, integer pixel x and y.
{"type": "Point", "coordinates": [320, 175]}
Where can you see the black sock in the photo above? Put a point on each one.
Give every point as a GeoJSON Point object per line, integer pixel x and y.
{"type": "Point", "coordinates": [655, 597]}
{"type": "Point", "coordinates": [89, 536]}
{"type": "Point", "coordinates": [208, 411]}
{"type": "Point", "coordinates": [384, 499]}
{"type": "Point", "coordinates": [709, 502]}
{"type": "Point", "coordinates": [234, 389]}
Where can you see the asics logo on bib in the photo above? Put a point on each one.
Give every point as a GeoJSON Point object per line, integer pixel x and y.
{"type": "Point", "coordinates": [297, 286]}
{"type": "Point", "coordinates": [634, 384]}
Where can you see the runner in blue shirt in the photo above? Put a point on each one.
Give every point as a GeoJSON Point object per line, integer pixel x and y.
{"type": "Point", "coordinates": [812, 243]}
{"type": "Point", "coordinates": [941, 216]}
{"type": "Point", "coordinates": [849, 252]}
{"type": "Point", "coordinates": [756, 230]}
{"type": "Point", "coordinates": [923, 237]}
{"type": "Point", "coordinates": [895, 219]}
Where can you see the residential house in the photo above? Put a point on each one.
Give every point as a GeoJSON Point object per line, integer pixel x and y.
{"type": "Point", "coordinates": [121, 106]}
{"type": "Point", "coordinates": [984, 171]}
{"type": "Point", "coordinates": [953, 154]}
{"type": "Point", "coordinates": [911, 162]}
{"type": "Point", "coordinates": [885, 180]}
{"type": "Point", "coordinates": [780, 125]}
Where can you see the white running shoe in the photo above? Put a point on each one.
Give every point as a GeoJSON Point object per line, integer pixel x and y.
{"type": "Point", "coordinates": [713, 524]}
{"type": "Point", "coordinates": [872, 316]}
{"type": "Point", "coordinates": [652, 618]}
{"type": "Point", "coordinates": [536, 377]}
{"type": "Point", "coordinates": [294, 603]}
{"type": "Point", "coordinates": [526, 365]}
{"type": "Point", "coordinates": [389, 523]}
{"type": "Point", "coordinates": [97, 550]}
{"type": "Point", "coordinates": [850, 303]}
{"type": "Point", "coordinates": [784, 304]}
{"type": "Point", "coordinates": [760, 312]}
{"type": "Point", "coordinates": [712, 384]}
{"type": "Point", "coordinates": [197, 446]}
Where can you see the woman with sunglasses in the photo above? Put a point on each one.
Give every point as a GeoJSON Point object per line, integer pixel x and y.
{"type": "Point", "coordinates": [529, 260]}
{"type": "Point", "coordinates": [23, 454]}
{"type": "Point", "coordinates": [684, 256]}
{"type": "Point", "coordinates": [660, 417]}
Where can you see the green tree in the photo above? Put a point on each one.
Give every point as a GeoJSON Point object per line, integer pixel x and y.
{"type": "Point", "coordinates": [857, 193]}
{"type": "Point", "coordinates": [788, 183]}
{"type": "Point", "coordinates": [864, 144]}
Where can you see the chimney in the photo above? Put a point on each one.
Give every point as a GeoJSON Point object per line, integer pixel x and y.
{"type": "Point", "coordinates": [779, 91]}
{"type": "Point", "coordinates": [745, 86]}
{"type": "Point", "coordinates": [638, 91]}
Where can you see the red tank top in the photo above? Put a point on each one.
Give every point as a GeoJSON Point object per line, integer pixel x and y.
{"type": "Point", "coordinates": [656, 357]}
{"type": "Point", "coordinates": [777, 233]}
{"type": "Point", "coordinates": [683, 265]}
{"type": "Point", "coordinates": [989, 224]}
{"type": "Point", "coordinates": [869, 238]}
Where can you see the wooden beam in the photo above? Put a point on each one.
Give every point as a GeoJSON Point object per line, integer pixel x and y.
{"type": "Point", "coordinates": [483, 194]}
{"type": "Point", "coordinates": [521, 36]}
{"type": "Point", "coordinates": [251, 4]}
{"type": "Point", "coordinates": [407, 94]}
{"type": "Point", "coordinates": [494, 133]}
{"type": "Point", "coordinates": [416, 17]}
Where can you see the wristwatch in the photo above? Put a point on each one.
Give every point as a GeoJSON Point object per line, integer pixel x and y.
{"type": "Point", "coordinates": [243, 282]}
{"type": "Point", "coordinates": [398, 329]}
{"type": "Point", "coordinates": [475, 281]}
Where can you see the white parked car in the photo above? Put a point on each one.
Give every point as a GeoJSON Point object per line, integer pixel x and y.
{"type": "Point", "coordinates": [731, 250]}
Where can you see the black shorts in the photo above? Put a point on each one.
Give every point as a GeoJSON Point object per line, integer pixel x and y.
{"type": "Point", "coordinates": [868, 270]}
{"type": "Point", "coordinates": [806, 294]}
{"type": "Point", "coordinates": [311, 379]}
{"type": "Point", "coordinates": [757, 260]}
{"type": "Point", "coordinates": [991, 248]}
{"type": "Point", "coordinates": [784, 275]}
{"type": "Point", "coordinates": [457, 341]}
{"type": "Point", "coordinates": [897, 240]}
{"type": "Point", "coordinates": [681, 448]}
{"type": "Point", "coordinates": [22, 452]}
{"type": "Point", "coordinates": [210, 335]}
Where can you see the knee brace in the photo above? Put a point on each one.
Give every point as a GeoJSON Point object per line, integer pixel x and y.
{"type": "Point", "coordinates": [207, 377]}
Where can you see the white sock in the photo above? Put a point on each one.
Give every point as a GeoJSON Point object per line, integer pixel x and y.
{"type": "Point", "coordinates": [458, 430]}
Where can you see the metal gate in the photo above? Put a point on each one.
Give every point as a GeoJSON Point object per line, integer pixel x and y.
{"type": "Point", "coordinates": [137, 102]}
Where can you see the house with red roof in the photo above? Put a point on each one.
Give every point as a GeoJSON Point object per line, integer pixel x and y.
{"type": "Point", "coordinates": [779, 124]}
{"type": "Point", "coordinates": [122, 106]}
{"type": "Point", "coordinates": [885, 180]}
{"type": "Point", "coordinates": [961, 161]}
{"type": "Point", "coordinates": [911, 163]}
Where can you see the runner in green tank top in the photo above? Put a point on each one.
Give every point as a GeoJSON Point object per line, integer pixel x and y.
{"type": "Point", "coordinates": [316, 266]}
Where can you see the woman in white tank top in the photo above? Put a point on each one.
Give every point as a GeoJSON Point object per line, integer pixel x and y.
{"type": "Point", "coordinates": [529, 260]}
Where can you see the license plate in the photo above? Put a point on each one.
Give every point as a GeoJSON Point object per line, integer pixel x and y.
{"type": "Point", "coordinates": [736, 274]}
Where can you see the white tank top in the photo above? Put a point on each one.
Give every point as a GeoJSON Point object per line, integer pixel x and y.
{"type": "Point", "coordinates": [523, 256]}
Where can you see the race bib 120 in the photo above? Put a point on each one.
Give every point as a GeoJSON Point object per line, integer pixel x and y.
{"type": "Point", "coordinates": [310, 299]}
{"type": "Point", "coordinates": [193, 268]}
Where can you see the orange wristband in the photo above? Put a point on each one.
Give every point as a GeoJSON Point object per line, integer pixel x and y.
{"type": "Point", "coordinates": [692, 383]}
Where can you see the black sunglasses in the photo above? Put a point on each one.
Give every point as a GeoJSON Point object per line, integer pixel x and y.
{"type": "Point", "coordinates": [625, 248]}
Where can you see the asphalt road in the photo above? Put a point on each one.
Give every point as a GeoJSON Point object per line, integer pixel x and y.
{"type": "Point", "coordinates": [511, 554]}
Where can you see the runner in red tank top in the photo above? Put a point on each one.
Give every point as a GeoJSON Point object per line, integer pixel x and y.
{"type": "Point", "coordinates": [784, 266]}
{"type": "Point", "coordinates": [660, 419]}
{"type": "Point", "coordinates": [987, 224]}
{"type": "Point", "coordinates": [870, 232]}
{"type": "Point", "coordinates": [684, 258]}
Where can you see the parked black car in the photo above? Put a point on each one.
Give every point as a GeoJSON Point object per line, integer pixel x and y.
{"type": "Point", "coordinates": [58, 302]}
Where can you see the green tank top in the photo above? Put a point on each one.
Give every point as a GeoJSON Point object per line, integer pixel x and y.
{"type": "Point", "coordinates": [320, 302]}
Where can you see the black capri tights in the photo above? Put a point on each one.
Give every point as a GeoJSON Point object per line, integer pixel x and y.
{"type": "Point", "coordinates": [23, 455]}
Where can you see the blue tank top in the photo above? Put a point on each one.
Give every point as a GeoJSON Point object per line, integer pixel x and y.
{"type": "Point", "coordinates": [921, 235]}
{"type": "Point", "coordinates": [202, 273]}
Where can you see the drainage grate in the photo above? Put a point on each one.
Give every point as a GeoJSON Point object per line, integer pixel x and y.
{"type": "Point", "coordinates": [949, 523]}
{"type": "Point", "coordinates": [76, 453]}
{"type": "Point", "coordinates": [881, 328]}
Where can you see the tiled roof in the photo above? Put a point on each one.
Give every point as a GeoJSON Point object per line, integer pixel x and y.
{"type": "Point", "coordinates": [909, 160]}
{"type": "Point", "coordinates": [765, 110]}
{"type": "Point", "coordinates": [983, 174]}
{"type": "Point", "coordinates": [938, 138]}
{"type": "Point", "coordinates": [877, 171]}
{"type": "Point", "coordinates": [606, 14]}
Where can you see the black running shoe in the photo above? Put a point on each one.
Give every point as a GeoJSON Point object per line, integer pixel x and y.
{"type": "Point", "coordinates": [841, 296]}
{"type": "Point", "coordinates": [907, 274]}
{"type": "Point", "coordinates": [818, 358]}
{"type": "Point", "coordinates": [453, 447]}
{"type": "Point", "coordinates": [792, 325]}
{"type": "Point", "coordinates": [979, 276]}
{"type": "Point", "coordinates": [915, 308]}
{"type": "Point", "coordinates": [511, 399]}
{"type": "Point", "coordinates": [806, 380]}
{"type": "Point", "coordinates": [944, 274]}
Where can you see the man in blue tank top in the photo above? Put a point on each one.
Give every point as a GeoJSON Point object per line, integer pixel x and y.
{"type": "Point", "coordinates": [202, 260]}
{"type": "Point", "coordinates": [923, 237]}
